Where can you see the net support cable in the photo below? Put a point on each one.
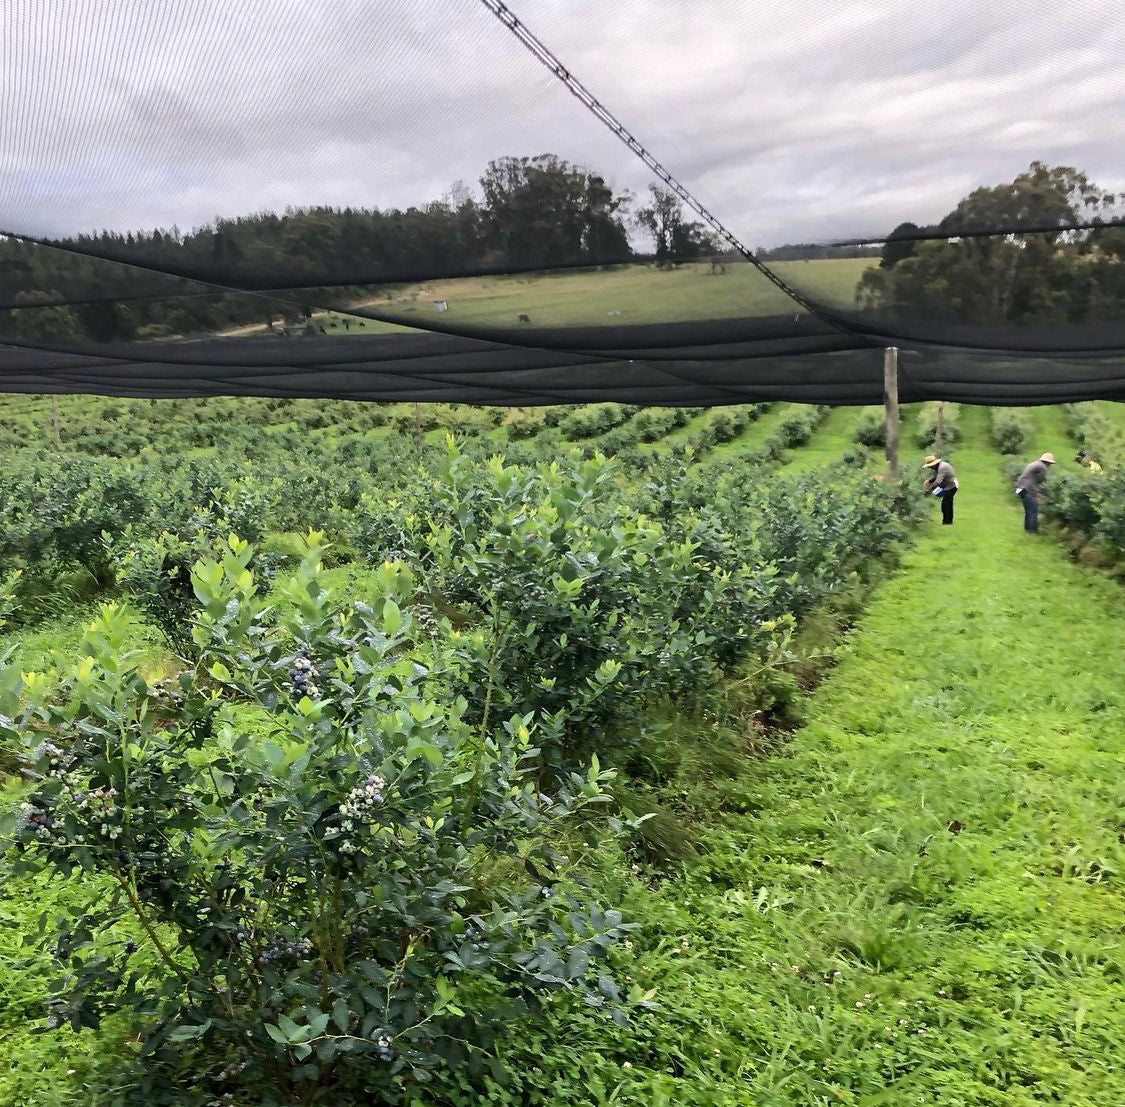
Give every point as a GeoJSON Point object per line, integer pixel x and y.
{"type": "Point", "coordinates": [948, 234]}
{"type": "Point", "coordinates": [580, 92]}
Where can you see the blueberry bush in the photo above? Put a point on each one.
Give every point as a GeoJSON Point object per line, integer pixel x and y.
{"type": "Point", "coordinates": [552, 586]}
{"type": "Point", "coordinates": [594, 419]}
{"type": "Point", "coordinates": [1089, 504]}
{"type": "Point", "coordinates": [932, 417]}
{"type": "Point", "coordinates": [871, 430]}
{"type": "Point", "coordinates": [1011, 428]}
{"type": "Point", "coordinates": [340, 883]}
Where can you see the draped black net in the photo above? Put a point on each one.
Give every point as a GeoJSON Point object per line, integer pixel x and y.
{"type": "Point", "coordinates": [649, 202]}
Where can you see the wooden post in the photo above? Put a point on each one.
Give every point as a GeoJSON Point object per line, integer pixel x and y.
{"type": "Point", "coordinates": [417, 428]}
{"type": "Point", "coordinates": [939, 430]}
{"type": "Point", "coordinates": [890, 405]}
{"type": "Point", "coordinates": [55, 418]}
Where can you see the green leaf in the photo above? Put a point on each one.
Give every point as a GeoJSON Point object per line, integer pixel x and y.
{"type": "Point", "coordinates": [608, 988]}
{"type": "Point", "coordinates": [577, 963]}
{"type": "Point", "coordinates": [292, 1032]}
{"type": "Point", "coordinates": [341, 1016]}
{"type": "Point", "coordinates": [189, 1033]}
{"type": "Point", "coordinates": [428, 750]}
{"type": "Point", "coordinates": [275, 1033]}
{"type": "Point", "coordinates": [273, 753]}
{"type": "Point", "coordinates": [392, 617]}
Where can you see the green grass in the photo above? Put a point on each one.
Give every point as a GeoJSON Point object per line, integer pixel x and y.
{"type": "Point", "coordinates": [1114, 411]}
{"type": "Point", "coordinates": [1049, 433]}
{"type": "Point", "coordinates": [922, 902]}
{"type": "Point", "coordinates": [832, 280]}
{"type": "Point", "coordinates": [56, 642]}
{"type": "Point", "coordinates": [833, 439]}
{"type": "Point", "coordinates": [619, 294]}
{"type": "Point", "coordinates": [47, 1070]}
{"type": "Point", "coordinates": [755, 434]}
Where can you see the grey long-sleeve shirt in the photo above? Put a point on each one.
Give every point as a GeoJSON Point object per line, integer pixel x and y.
{"type": "Point", "coordinates": [943, 477]}
{"type": "Point", "coordinates": [1033, 476]}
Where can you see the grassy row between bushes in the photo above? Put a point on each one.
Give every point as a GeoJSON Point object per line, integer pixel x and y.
{"type": "Point", "coordinates": [921, 901]}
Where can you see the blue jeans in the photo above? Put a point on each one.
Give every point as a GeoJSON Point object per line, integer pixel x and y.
{"type": "Point", "coordinates": [1030, 512]}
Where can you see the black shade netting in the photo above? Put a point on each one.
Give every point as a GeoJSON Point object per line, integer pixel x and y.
{"type": "Point", "coordinates": [387, 202]}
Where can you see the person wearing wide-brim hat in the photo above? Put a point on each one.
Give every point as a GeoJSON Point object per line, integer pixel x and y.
{"type": "Point", "coordinates": [1029, 489]}
{"type": "Point", "coordinates": [1087, 461]}
{"type": "Point", "coordinates": [943, 484]}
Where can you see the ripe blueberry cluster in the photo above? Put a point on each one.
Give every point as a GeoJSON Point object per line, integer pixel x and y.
{"type": "Point", "coordinates": [36, 821]}
{"type": "Point", "coordinates": [302, 673]}
{"type": "Point", "coordinates": [280, 949]}
{"type": "Point", "coordinates": [473, 936]}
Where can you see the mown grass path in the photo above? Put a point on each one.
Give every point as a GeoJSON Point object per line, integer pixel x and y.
{"type": "Point", "coordinates": [754, 435]}
{"type": "Point", "coordinates": [922, 900]}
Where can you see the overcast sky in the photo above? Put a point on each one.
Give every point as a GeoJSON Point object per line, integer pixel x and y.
{"type": "Point", "coordinates": [795, 121]}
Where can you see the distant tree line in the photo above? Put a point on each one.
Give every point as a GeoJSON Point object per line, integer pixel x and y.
{"type": "Point", "coordinates": [534, 213]}
{"type": "Point", "coordinates": [1040, 271]}
{"type": "Point", "coordinates": [540, 213]}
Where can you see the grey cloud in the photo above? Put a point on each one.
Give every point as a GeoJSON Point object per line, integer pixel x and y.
{"type": "Point", "coordinates": [793, 121]}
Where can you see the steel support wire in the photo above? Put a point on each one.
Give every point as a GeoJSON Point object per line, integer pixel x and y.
{"type": "Point", "coordinates": [581, 93]}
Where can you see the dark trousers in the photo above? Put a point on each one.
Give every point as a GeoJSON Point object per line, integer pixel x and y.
{"type": "Point", "coordinates": [947, 507]}
{"type": "Point", "coordinates": [1030, 512]}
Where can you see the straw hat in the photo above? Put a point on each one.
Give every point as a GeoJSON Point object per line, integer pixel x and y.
{"type": "Point", "coordinates": [1048, 458]}
{"type": "Point", "coordinates": [933, 460]}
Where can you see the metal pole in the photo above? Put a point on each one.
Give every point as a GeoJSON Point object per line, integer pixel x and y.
{"type": "Point", "coordinates": [890, 405]}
